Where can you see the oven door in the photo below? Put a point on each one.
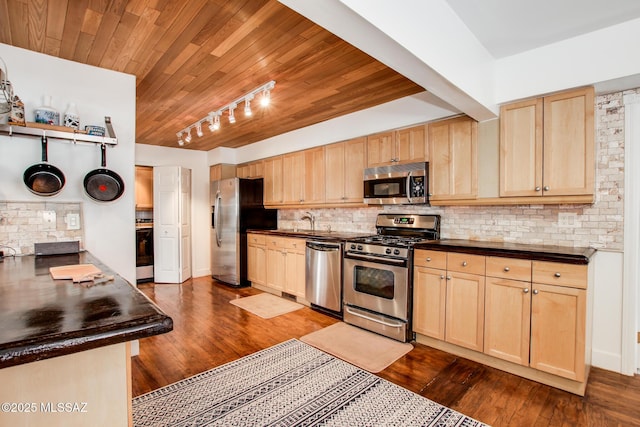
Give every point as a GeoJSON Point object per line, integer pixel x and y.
{"type": "Point", "coordinates": [377, 285]}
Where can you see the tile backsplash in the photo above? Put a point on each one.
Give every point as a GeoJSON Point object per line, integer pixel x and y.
{"type": "Point", "coordinates": [24, 223]}
{"type": "Point", "coordinates": [598, 225]}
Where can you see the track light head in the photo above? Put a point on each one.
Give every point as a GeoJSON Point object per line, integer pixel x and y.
{"type": "Point", "coordinates": [199, 130]}
{"type": "Point", "coordinates": [188, 138]}
{"type": "Point", "coordinates": [232, 117]}
{"type": "Point", "coordinates": [266, 98]}
{"type": "Point", "coordinates": [247, 107]}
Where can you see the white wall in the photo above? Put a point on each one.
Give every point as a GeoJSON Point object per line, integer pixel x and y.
{"type": "Point", "coordinates": [109, 227]}
{"type": "Point", "coordinates": [149, 155]}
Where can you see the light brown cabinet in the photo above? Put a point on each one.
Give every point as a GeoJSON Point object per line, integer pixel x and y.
{"type": "Point", "coordinates": [256, 259]}
{"type": "Point", "coordinates": [293, 171]}
{"type": "Point", "coordinates": [395, 147]}
{"type": "Point", "coordinates": [532, 314]}
{"type": "Point", "coordinates": [250, 170]}
{"type": "Point", "coordinates": [547, 146]}
{"type": "Point", "coordinates": [465, 300]}
{"type": "Point", "coordinates": [448, 297]}
{"type": "Point", "coordinates": [453, 159]}
{"type": "Point", "coordinates": [277, 263]}
{"type": "Point", "coordinates": [313, 176]}
{"type": "Point", "coordinates": [345, 163]}
{"type": "Point", "coordinates": [273, 190]}
{"type": "Point", "coordinates": [144, 187]}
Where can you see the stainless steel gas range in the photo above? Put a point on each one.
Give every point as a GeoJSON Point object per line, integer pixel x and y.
{"type": "Point", "coordinates": [377, 273]}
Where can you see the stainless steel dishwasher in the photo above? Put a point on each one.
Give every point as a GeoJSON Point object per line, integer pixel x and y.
{"type": "Point", "coordinates": [323, 286]}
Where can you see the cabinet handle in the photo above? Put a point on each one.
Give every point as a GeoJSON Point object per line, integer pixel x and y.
{"type": "Point", "coordinates": [525, 290]}
{"type": "Point", "coordinates": [507, 269]}
{"type": "Point", "coordinates": [557, 274]}
{"type": "Point", "coordinates": [428, 259]}
{"type": "Point", "coordinates": [441, 276]}
{"type": "Point", "coordinates": [535, 292]}
{"type": "Point", "coordinates": [538, 188]}
{"type": "Point", "coordinates": [448, 277]}
{"type": "Point", "coordinates": [546, 188]}
{"type": "Point", "coordinates": [464, 263]}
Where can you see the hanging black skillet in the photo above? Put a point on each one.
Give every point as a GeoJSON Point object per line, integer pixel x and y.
{"type": "Point", "coordinates": [103, 185]}
{"type": "Point", "coordinates": [44, 179]}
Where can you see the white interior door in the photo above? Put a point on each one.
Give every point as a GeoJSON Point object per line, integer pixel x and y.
{"type": "Point", "coordinates": [166, 222]}
{"type": "Point", "coordinates": [185, 224]}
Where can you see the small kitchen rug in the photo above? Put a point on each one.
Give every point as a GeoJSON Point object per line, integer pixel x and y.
{"type": "Point", "coordinates": [369, 351]}
{"type": "Point", "coordinates": [290, 384]}
{"type": "Point", "coordinates": [266, 305]}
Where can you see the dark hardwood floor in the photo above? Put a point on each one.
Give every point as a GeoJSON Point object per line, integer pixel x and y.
{"type": "Point", "coordinates": [208, 331]}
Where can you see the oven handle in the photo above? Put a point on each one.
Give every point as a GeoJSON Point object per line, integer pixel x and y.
{"type": "Point", "coordinates": [379, 260]}
{"type": "Point", "coordinates": [382, 322]}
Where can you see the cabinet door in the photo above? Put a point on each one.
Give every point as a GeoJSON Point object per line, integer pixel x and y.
{"type": "Point", "coordinates": [569, 143]}
{"type": "Point", "coordinates": [521, 149]}
{"type": "Point", "coordinates": [295, 274]}
{"type": "Point", "coordinates": [465, 310]}
{"type": "Point", "coordinates": [257, 264]}
{"type": "Point", "coordinates": [276, 268]}
{"type": "Point", "coordinates": [453, 159]}
{"type": "Point", "coordinates": [293, 168]}
{"type": "Point", "coordinates": [429, 296]}
{"type": "Point", "coordinates": [381, 149]}
{"type": "Point", "coordinates": [144, 187]}
{"type": "Point", "coordinates": [354, 163]}
{"type": "Point", "coordinates": [411, 145]}
{"type": "Point", "coordinates": [558, 320]}
{"type": "Point", "coordinates": [335, 172]}
{"type": "Point", "coordinates": [313, 173]}
{"type": "Point", "coordinates": [273, 181]}
{"type": "Point", "coordinates": [507, 320]}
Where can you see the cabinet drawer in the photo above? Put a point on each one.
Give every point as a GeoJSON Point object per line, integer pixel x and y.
{"type": "Point", "coordinates": [256, 239]}
{"type": "Point", "coordinates": [555, 273]}
{"type": "Point", "coordinates": [297, 244]}
{"type": "Point", "coordinates": [509, 268]}
{"type": "Point", "coordinates": [275, 242]}
{"type": "Point", "coordinates": [432, 259]}
{"type": "Point", "coordinates": [465, 263]}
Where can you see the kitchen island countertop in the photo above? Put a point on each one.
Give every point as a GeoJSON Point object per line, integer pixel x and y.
{"type": "Point", "coordinates": [43, 318]}
{"type": "Point", "coordinates": [552, 253]}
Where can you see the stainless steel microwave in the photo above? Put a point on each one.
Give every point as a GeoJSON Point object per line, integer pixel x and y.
{"type": "Point", "coordinates": [405, 184]}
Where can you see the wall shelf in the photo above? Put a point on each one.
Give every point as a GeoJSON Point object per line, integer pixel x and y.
{"type": "Point", "coordinates": [54, 132]}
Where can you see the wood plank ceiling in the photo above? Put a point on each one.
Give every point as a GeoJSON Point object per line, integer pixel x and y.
{"type": "Point", "coordinates": [193, 57]}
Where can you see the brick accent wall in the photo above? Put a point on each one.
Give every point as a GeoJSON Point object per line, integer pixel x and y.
{"type": "Point", "coordinates": [22, 224]}
{"type": "Point", "coordinates": [599, 225]}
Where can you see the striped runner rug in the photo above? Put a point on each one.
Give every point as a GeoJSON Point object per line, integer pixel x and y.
{"type": "Point", "coordinates": [290, 384]}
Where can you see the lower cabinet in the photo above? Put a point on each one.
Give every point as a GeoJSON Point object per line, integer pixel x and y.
{"type": "Point", "coordinates": [277, 263]}
{"type": "Point", "coordinates": [532, 314]}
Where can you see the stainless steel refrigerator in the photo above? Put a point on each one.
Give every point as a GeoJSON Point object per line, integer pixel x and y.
{"type": "Point", "coordinates": [236, 206]}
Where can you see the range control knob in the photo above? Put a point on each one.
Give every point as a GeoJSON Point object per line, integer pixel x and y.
{"type": "Point", "coordinates": [396, 251]}
{"type": "Point", "coordinates": [352, 247]}
{"type": "Point", "coordinates": [359, 247]}
{"type": "Point", "coordinates": [387, 251]}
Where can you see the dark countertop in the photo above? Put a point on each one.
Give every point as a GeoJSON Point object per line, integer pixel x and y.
{"type": "Point", "coordinates": [563, 254]}
{"type": "Point", "coordinates": [43, 318]}
{"type": "Point", "coordinates": [316, 235]}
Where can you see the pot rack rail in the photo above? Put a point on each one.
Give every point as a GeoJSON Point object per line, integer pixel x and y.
{"type": "Point", "coordinates": [58, 134]}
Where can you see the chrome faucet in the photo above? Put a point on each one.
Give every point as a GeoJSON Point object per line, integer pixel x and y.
{"type": "Point", "coordinates": [312, 220]}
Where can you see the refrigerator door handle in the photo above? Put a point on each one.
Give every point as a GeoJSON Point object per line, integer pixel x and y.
{"type": "Point", "coordinates": [216, 221]}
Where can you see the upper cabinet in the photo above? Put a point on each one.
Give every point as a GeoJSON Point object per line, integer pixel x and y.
{"type": "Point", "coordinates": [453, 159]}
{"type": "Point", "coordinates": [345, 163]}
{"type": "Point", "coordinates": [295, 179]}
{"type": "Point", "coordinates": [221, 171]}
{"type": "Point", "coordinates": [144, 187]}
{"type": "Point", "coordinates": [393, 147]}
{"type": "Point", "coordinates": [547, 146]}
{"type": "Point", "coordinates": [251, 170]}
{"type": "Point", "coordinates": [273, 181]}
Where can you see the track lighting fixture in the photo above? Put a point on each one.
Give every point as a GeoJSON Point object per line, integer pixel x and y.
{"type": "Point", "coordinates": [214, 116]}
{"type": "Point", "coordinates": [232, 118]}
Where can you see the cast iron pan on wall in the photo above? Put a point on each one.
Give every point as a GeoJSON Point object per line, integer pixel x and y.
{"type": "Point", "coordinates": [103, 185]}
{"type": "Point", "coordinates": [44, 179]}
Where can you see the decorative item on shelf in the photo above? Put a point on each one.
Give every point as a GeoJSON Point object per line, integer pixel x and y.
{"type": "Point", "coordinates": [214, 116]}
{"type": "Point", "coordinates": [46, 114]}
{"type": "Point", "coordinates": [95, 130]}
{"type": "Point", "coordinates": [16, 117]}
{"type": "Point", "coordinates": [71, 117]}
